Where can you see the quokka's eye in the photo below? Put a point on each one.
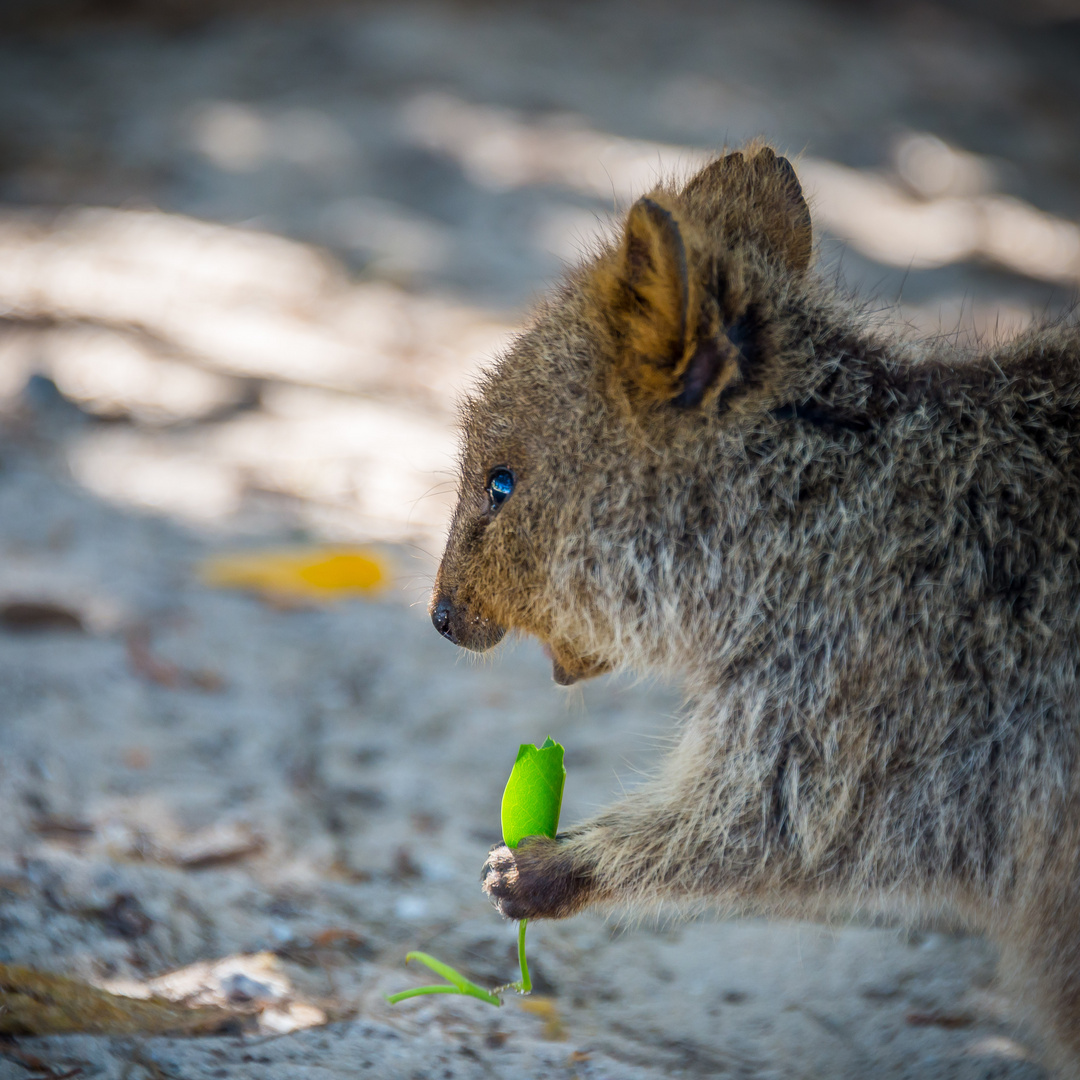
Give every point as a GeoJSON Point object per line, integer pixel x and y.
{"type": "Point", "coordinates": [499, 487]}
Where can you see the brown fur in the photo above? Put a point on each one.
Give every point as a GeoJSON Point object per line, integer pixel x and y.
{"type": "Point", "coordinates": [858, 554]}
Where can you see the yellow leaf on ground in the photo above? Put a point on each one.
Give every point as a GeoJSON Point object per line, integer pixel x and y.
{"type": "Point", "coordinates": [318, 573]}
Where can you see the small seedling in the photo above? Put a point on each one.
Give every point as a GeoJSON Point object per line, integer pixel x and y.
{"type": "Point", "coordinates": [456, 983]}
{"type": "Point", "coordinates": [530, 807]}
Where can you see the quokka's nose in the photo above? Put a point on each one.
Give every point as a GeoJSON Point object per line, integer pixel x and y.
{"type": "Point", "coordinates": [440, 618]}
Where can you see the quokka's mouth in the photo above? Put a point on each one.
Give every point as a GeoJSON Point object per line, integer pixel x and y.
{"type": "Point", "coordinates": [567, 669]}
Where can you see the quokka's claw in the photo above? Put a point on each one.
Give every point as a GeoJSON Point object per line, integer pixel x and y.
{"type": "Point", "coordinates": [500, 880]}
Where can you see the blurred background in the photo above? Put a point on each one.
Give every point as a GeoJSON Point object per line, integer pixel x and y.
{"type": "Point", "coordinates": [250, 255]}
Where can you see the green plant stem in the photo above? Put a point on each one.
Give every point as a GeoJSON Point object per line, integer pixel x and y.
{"type": "Point", "coordinates": [525, 984]}
{"type": "Point", "coordinates": [458, 983]}
{"type": "Point", "coordinates": [468, 991]}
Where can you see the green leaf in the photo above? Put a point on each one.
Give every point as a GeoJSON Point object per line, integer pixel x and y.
{"type": "Point", "coordinates": [533, 796]}
{"type": "Point", "coordinates": [530, 807]}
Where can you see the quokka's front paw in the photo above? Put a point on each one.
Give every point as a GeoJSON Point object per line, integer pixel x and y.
{"type": "Point", "coordinates": [536, 880]}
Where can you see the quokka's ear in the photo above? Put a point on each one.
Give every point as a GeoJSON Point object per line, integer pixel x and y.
{"type": "Point", "coordinates": [665, 316]}
{"type": "Point", "coordinates": [675, 288]}
{"type": "Point", "coordinates": [755, 199]}
{"type": "Point", "coordinates": [655, 286]}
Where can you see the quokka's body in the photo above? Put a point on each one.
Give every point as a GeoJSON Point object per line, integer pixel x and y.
{"type": "Point", "coordinates": [860, 556]}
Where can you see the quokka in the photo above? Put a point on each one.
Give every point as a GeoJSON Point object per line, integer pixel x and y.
{"type": "Point", "coordinates": [858, 554]}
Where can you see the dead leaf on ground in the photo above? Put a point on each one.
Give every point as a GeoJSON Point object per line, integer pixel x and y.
{"type": "Point", "coordinates": [61, 827]}
{"type": "Point", "coordinates": [38, 1003]}
{"type": "Point", "coordinates": [39, 616]}
{"type": "Point", "coordinates": [312, 952]}
{"type": "Point", "coordinates": [222, 843]}
{"type": "Point", "coordinates": [337, 937]}
{"type": "Point", "coordinates": [939, 1018]}
{"type": "Point", "coordinates": [548, 1011]}
{"type": "Point", "coordinates": [252, 984]}
{"type": "Point", "coordinates": [298, 575]}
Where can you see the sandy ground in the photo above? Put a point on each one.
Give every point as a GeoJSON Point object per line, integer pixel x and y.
{"type": "Point", "coordinates": [246, 264]}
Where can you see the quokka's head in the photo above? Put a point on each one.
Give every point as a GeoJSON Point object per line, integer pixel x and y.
{"type": "Point", "coordinates": [584, 438]}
